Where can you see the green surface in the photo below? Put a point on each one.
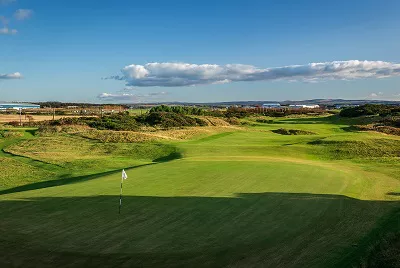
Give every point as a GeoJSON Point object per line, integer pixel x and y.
{"type": "Point", "coordinates": [245, 198]}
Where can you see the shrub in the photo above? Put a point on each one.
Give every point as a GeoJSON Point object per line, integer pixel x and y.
{"type": "Point", "coordinates": [284, 131]}
{"type": "Point", "coordinates": [178, 110]}
{"type": "Point", "coordinates": [371, 109]}
{"type": "Point", "coordinates": [170, 119]}
{"type": "Point", "coordinates": [233, 121]}
{"type": "Point", "coordinates": [268, 121]}
{"type": "Point", "coordinates": [14, 123]}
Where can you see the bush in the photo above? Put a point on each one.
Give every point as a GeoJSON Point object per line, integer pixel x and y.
{"type": "Point", "coordinates": [233, 121]}
{"type": "Point", "coordinates": [170, 119]}
{"type": "Point", "coordinates": [178, 110]}
{"type": "Point", "coordinates": [267, 121]}
{"type": "Point", "coordinates": [371, 109]}
{"type": "Point", "coordinates": [284, 131]}
{"type": "Point", "coordinates": [13, 123]}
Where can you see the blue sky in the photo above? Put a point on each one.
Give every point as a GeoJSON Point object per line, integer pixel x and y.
{"type": "Point", "coordinates": [64, 49]}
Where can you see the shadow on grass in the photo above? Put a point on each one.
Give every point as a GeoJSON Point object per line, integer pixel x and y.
{"type": "Point", "coordinates": [170, 157]}
{"type": "Point", "coordinates": [32, 131]}
{"type": "Point", "coordinates": [31, 161]}
{"type": "Point", "coordinates": [394, 193]}
{"type": "Point", "coordinates": [351, 129]}
{"type": "Point", "coordinates": [63, 181]}
{"type": "Point", "coordinates": [333, 119]}
{"type": "Point", "coordinates": [247, 230]}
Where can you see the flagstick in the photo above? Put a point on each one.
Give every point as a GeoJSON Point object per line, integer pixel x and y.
{"type": "Point", "coordinates": [120, 198]}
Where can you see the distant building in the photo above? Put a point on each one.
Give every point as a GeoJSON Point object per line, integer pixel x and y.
{"type": "Point", "coordinates": [306, 106]}
{"type": "Point", "coordinates": [271, 105]}
{"type": "Point", "coordinates": [17, 106]}
{"type": "Point", "coordinates": [340, 106]}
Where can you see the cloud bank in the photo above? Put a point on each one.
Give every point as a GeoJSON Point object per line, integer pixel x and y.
{"type": "Point", "coordinates": [169, 74]}
{"type": "Point", "coordinates": [128, 96]}
{"type": "Point", "coordinates": [11, 76]}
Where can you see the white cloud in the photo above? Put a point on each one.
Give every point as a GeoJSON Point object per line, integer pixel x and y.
{"type": "Point", "coordinates": [11, 76]}
{"type": "Point", "coordinates": [128, 97]}
{"type": "Point", "coordinates": [129, 88]}
{"type": "Point", "coordinates": [376, 94]}
{"type": "Point", "coordinates": [169, 74]}
{"type": "Point", "coordinates": [6, 30]}
{"type": "Point", "coordinates": [23, 14]}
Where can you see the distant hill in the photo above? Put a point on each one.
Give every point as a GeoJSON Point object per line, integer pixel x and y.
{"type": "Point", "coordinates": [325, 102]}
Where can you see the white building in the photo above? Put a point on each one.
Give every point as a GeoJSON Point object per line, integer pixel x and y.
{"type": "Point", "coordinates": [17, 106]}
{"type": "Point", "coordinates": [271, 105]}
{"type": "Point", "coordinates": [306, 106]}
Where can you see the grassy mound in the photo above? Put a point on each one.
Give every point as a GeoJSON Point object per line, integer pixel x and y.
{"type": "Point", "coordinates": [56, 157]}
{"type": "Point", "coordinates": [384, 129]}
{"type": "Point", "coordinates": [284, 131]}
{"type": "Point", "coordinates": [10, 134]}
{"type": "Point", "coordinates": [214, 121]}
{"type": "Point", "coordinates": [118, 136]}
{"type": "Point", "coordinates": [342, 149]}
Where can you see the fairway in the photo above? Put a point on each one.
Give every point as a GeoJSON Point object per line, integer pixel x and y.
{"type": "Point", "coordinates": [247, 197]}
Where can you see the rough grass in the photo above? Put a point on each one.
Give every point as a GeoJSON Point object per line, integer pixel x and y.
{"type": "Point", "coordinates": [14, 173]}
{"type": "Point", "coordinates": [10, 134]}
{"type": "Point", "coordinates": [384, 129]}
{"type": "Point", "coordinates": [64, 149]}
{"type": "Point", "coordinates": [60, 156]}
{"type": "Point", "coordinates": [341, 149]}
{"type": "Point", "coordinates": [151, 135]}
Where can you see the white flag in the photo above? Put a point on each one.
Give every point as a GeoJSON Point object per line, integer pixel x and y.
{"type": "Point", "coordinates": [124, 176]}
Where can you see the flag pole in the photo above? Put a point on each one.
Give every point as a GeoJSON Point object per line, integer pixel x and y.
{"type": "Point", "coordinates": [120, 197]}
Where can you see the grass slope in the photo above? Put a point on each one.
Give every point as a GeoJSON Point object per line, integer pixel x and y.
{"type": "Point", "coordinates": [243, 198]}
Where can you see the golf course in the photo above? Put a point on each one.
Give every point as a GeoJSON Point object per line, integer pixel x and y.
{"type": "Point", "coordinates": [247, 195]}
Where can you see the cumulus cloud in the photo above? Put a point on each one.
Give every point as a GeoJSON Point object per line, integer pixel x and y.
{"type": "Point", "coordinates": [376, 94]}
{"type": "Point", "coordinates": [169, 74]}
{"type": "Point", "coordinates": [23, 14]}
{"type": "Point", "coordinates": [6, 30]}
{"type": "Point", "coordinates": [128, 97]}
{"type": "Point", "coordinates": [11, 76]}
